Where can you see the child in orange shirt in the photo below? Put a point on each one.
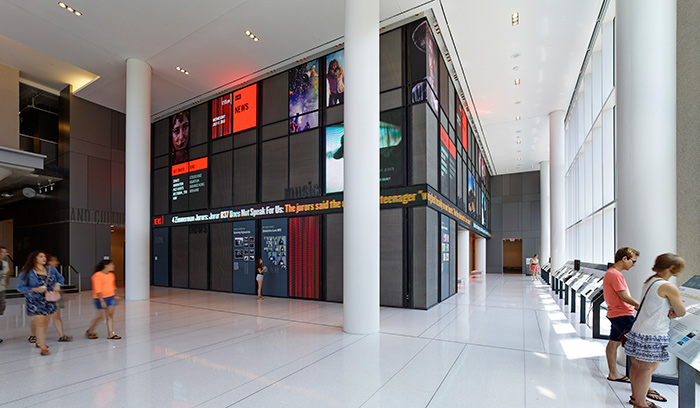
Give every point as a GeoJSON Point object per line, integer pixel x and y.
{"type": "Point", "coordinates": [103, 294]}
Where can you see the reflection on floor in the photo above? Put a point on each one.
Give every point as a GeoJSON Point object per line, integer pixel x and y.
{"type": "Point", "coordinates": [500, 342]}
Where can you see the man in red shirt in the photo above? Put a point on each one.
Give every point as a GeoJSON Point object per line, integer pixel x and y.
{"type": "Point", "coordinates": [621, 306]}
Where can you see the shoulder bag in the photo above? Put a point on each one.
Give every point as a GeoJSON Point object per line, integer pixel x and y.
{"type": "Point", "coordinates": [623, 337]}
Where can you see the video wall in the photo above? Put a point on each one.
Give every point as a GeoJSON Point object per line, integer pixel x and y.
{"type": "Point", "coordinates": [275, 144]}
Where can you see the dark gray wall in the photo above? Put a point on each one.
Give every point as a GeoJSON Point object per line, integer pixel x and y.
{"type": "Point", "coordinates": [95, 159]}
{"type": "Point", "coordinates": [515, 213]}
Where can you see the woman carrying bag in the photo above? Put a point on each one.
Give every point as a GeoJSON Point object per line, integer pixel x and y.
{"type": "Point", "coordinates": [647, 341]}
{"type": "Point", "coordinates": [41, 285]}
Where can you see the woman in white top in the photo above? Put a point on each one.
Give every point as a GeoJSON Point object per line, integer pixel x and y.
{"type": "Point", "coordinates": [534, 267]}
{"type": "Point", "coordinates": [647, 341]}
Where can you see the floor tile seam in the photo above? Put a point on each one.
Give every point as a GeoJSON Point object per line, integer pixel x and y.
{"type": "Point", "coordinates": [399, 370]}
{"type": "Point", "coordinates": [292, 373]}
{"type": "Point", "coordinates": [447, 374]}
{"type": "Point", "coordinates": [184, 326]}
{"type": "Point", "coordinates": [236, 339]}
{"type": "Point", "coordinates": [286, 365]}
{"type": "Point", "coordinates": [119, 374]}
{"type": "Point", "coordinates": [237, 313]}
{"type": "Point", "coordinates": [459, 313]}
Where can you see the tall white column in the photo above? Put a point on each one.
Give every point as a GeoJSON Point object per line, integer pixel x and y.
{"type": "Point", "coordinates": [463, 255]}
{"type": "Point", "coordinates": [361, 151]}
{"type": "Point", "coordinates": [480, 255]}
{"type": "Point", "coordinates": [545, 215]}
{"type": "Point", "coordinates": [646, 135]}
{"type": "Point", "coordinates": [557, 173]}
{"type": "Point", "coordinates": [646, 132]}
{"type": "Point", "coordinates": [138, 182]}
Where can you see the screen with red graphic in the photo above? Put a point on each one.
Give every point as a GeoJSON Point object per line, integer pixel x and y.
{"type": "Point", "coordinates": [245, 113]}
{"type": "Point", "coordinates": [221, 116]}
{"type": "Point", "coordinates": [448, 166]}
{"type": "Point", "coordinates": [304, 244]}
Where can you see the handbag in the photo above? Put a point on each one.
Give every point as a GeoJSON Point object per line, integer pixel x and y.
{"type": "Point", "coordinates": [51, 295]}
{"type": "Point", "coordinates": [623, 337]}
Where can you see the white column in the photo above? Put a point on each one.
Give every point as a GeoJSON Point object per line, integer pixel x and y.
{"type": "Point", "coordinates": [138, 182]}
{"type": "Point", "coordinates": [463, 255]}
{"type": "Point", "coordinates": [646, 132]}
{"type": "Point", "coordinates": [361, 151]}
{"type": "Point", "coordinates": [480, 256]}
{"type": "Point", "coordinates": [545, 215]}
{"type": "Point", "coordinates": [646, 135]}
{"type": "Point", "coordinates": [557, 173]}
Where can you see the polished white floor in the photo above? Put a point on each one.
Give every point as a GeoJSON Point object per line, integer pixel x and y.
{"type": "Point", "coordinates": [502, 341]}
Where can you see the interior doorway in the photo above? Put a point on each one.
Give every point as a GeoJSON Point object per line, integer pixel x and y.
{"type": "Point", "coordinates": [117, 253]}
{"type": "Point", "coordinates": [512, 255]}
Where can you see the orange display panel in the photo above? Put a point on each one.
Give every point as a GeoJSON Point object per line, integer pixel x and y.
{"type": "Point", "coordinates": [179, 169]}
{"type": "Point", "coordinates": [199, 164]}
{"type": "Point", "coordinates": [245, 112]}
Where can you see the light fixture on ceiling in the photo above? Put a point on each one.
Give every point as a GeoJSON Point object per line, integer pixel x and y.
{"type": "Point", "coordinates": [183, 70]}
{"type": "Point", "coordinates": [69, 8]}
{"type": "Point", "coordinates": [516, 103]}
{"type": "Point", "coordinates": [251, 35]}
{"type": "Point", "coordinates": [533, 166]}
{"type": "Point", "coordinates": [517, 118]}
{"type": "Point", "coordinates": [515, 18]}
{"type": "Point", "coordinates": [518, 142]}
{"type": "Point", "coordinates": [518, 158]}
{"type": "Point", "coordinates": [517, 81]}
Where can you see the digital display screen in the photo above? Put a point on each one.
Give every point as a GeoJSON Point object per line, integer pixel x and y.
{"type": "Point", "coordinates": [180, 137]}
{"type": "Point", "coordinates": [465, 130]}
{"type": "Point", "coordinates": [423, 64]}
{"type": "Point", "coordinates": [335, 78]}
{"type": "Point", "coordinates": [244, 257]}
{"type": "Point", "coordinates": [221, 116]}
{"type": "Point", "coordinates": [189, 185]}
{"type": "Point", "coordinates": [304, 245]}
{"type": "Point", "coordinates": [245, 113]}
{"type": "Point", "coordinates": [471, 195]}
{"type": "Point", "coordinates": [303, 96]}
{"type": "Point", "coordinates": [448, 164]}
{"type": "Point", "coordinates": [334, 158]}
{"type": "Point", "coordinates": [274, 249]}
{"type": "Point", "coordinates": [444, 257]}
{"type": "Point", "coordinates": [390, 152]}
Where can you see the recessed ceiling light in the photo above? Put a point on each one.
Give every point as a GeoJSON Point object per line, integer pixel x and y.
{"type": "Point", "coordinates": [516, 55]}
{"type": "Point", "coordinates": [517, 81]}
{"type": "Point", "coordinates": [247, 32]}
{"type": "Point", "coordinates": [515, 68]}
{"type": "Point", "coordinates": [518, 142]}
{"type": "Point", "coordinates": [517, 118]}
{"type": "Point", "coordinates": [255, 39]}
{"type": "Point", "coordinates": [69, 8]}
{"type": "Point", "coordinates": [532, 166]}
{"type": "Point", "coordinates": [516, 103]}
{"type": "Point", "coordinates": [518, 158]}
{"type": "Point", "coordinates": [515, 18]}
{"type": "Point", "coordinates": [183, 70]}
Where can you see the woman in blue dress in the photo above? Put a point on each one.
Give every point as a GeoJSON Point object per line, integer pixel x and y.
{"type": "Point", "coordinates": [34, 281]}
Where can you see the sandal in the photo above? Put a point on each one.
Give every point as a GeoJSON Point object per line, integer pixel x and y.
{"type": "Point", "coordinates": [649, 404]}
{"type": "Point", "coordinates": [114, 337]}
{"type": "Point", "coordinates": [91, 335]}
{"type": "Point", "coordinates": [44, 350]}
{"type": "Point", "coordinates": [32, 339]}
{"type": "Point", "coordinates": [652, 394]}
{"type": "Point", "coordinates": [65, 338]}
